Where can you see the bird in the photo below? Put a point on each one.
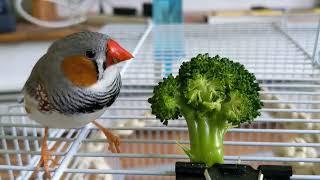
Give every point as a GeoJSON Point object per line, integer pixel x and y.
{"type": "Point", "coordinates": [73, 84]}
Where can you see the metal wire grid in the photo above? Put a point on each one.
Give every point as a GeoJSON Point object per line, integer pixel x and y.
{"type": "Point", "coordinates": [290, 92]}
{"type": "Point", "coordinates": [20, 137]}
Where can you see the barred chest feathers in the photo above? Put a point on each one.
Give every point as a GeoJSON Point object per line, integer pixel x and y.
{"type": "Point", "coordinates": [76, 109]}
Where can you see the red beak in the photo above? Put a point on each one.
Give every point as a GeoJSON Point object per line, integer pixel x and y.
{"type": "Point", "coordinates": [115, 53]}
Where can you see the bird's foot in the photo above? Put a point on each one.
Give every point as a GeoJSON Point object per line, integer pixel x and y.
{"type": "Point", "coordinates": [46, 156]}
{"type": "Point", "coordinates": [113, 140]}
{"type": "Point", "coordinates": [44, 162]}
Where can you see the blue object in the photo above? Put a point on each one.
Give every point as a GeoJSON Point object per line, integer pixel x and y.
{"type": "Point", "coordinates": [7, 17]}
{"type": "Point", "coordinates": [167, 11]}
{"type": "Point", "coordinates": [168, 47]}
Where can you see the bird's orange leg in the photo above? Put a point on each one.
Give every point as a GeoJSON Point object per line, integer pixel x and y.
{"type": "Point", "coordinates": [46, 155]}
{"type": "Point", "coordinates": [113, 140]}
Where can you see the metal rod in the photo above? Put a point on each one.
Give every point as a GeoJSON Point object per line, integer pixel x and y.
{"type": "Point", "coordinates": [144, 99]}
{"type": "Point", "coordinates": [73, 150]}
{"type": "Point", "coordinates": [283, 79]}
{"type": "Point", "coordinates": [122, 171]}
{"type": "Point", "coordinates": [138, 46]}
{"type": "Point", "coordinates": [183, 156]}
{"type": "Point", "coordinates": [315, 46]}
{"type": "Point", "coordinates": [134, 172]}
{"type": "Point", "coordinates": [238, 130]}
{"type": "Point", "coordinates": [262, 110]}
{"type": "Point", "coordinates": [261, 64]}
{"type": "Point", "coordinates": [305, 177]}
{"type": "Point", "coordinates": [266, 85]}
{"type": "Point", "coordinates": [166, 141]}
{"type": "Point", "coordinates": [6, 156]}
{"type": "Point", "coordinates": [279, 120]}
{"type": "Point", "coordinates": [257, 73]}
{"type": "Point", "coordinates": [142, 108]}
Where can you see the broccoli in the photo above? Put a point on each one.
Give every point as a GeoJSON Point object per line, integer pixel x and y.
{"type": "Point", "coordinates": [213, 94]}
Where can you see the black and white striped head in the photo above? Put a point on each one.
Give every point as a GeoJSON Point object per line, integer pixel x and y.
{"type": "Point", "coordinates": [83, 57]}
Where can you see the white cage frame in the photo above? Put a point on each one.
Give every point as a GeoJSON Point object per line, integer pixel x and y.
{"type": "Point", "coordinates": [282, 55]}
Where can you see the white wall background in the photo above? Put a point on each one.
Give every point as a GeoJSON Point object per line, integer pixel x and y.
{"type": "Point", "coordinates": [204, 5]}
{"type": "Point", "coordinates": [207, 5]}
{"type": "Point", "coordinates": [192, 5]}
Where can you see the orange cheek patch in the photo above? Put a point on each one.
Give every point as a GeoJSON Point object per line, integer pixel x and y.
{"type": "Point", "coordinates": [79, 70]}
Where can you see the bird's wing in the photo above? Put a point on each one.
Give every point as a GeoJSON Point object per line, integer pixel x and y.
{"type": "Point", "coordinates": [38, 99]}
{"type": "Point", "coordinates": [36, 89]}
{"type": "Point", "coordinates": [42, 97]}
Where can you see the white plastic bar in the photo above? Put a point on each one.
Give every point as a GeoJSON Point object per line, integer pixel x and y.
{"type": "Point", "coordinates": [26, 141]}
{"type": "Point", "coordinates": [257, 73]}
{"type": "Point", "coordinates": [30, 152]}
{"type": "Point", "coordinates": [137, 48]}
{"type": "Point", "coordinates": [26, 146]}
{"type": "Point", "coordinates": [305, 177]}
{"type": "Point", "coordinates": [73, 149]}
{"type": "Point", "coordinates": [122, 171]}
{"type": "Point", "coordinates": [315, 46]}
{"type": "Point", "coordinates": [267, 85]}
{"type": "Point", "coordinates": [293, 41]}
{"type": "Point", "coordinates": [291, 101]}
{"type": "Point", "coordinates": [183, 156]}
{"type": "Point", "coordinates": [144, 99]}
{"type": "Point", "coordinates": [20, 168]}
{"type": "Point", "coordinates": [58, 149]}
{"type": "Point", "coordinates": [250, 64]}
{"type": "Point", "coordinates": [282, 79]}
{"type": "Point", "coordinates": [255, 67]}
{"type": "Point", "coordinates": [281, 120]}
{"type": "Point", "coordinates": [134, 68]}
{"type": "Point", "coordinates": [262, 110]}
{"type": "Point", "coordinates": [152, 118]}
{"type": "Point", "coordinates": [263, 100]}
{"type": "Point", "coordinates": [68, 136]}
{"type": "Point", "coordinates": [239, 130]}
{"type": "Point", "coordinates": [16, 146]}
{"type": "Point", "coordinates": [6, 156]}
{"type": "Point", "coordinates": [136, 172]}
{"type": "Point", "coordinates": [227, 143]}
{"type": "Point", "coordinates": [284, 92]}
{"type": "Point", "coordinates": [15, 142]}
{"type": "Point", "coordinates": [73, 165]}
{"type": "Point", "coordinates": [36, 147]}
{"type": "Point", "coordinates": [115, 118]}
{"type": "Point", "coordinates": [305, 110]}
{"type": "Point", "coordinates": [146, 141]}
{"type": "Point", "coordinates": [35, 160]}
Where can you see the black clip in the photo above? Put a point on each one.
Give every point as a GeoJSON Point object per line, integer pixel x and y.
{"type": "Point", "coordinates": [273, 172]}
{"type": "Point", "coordinates": [196, 171]}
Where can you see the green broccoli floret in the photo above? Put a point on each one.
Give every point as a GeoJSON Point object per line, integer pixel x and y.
{"type": "Point", "coordinates": [213, 94]}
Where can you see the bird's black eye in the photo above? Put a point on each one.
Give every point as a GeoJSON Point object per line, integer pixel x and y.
{"type": "Point", "coordinates": [104, 66]}
{"type": "Point", "coordinates": [90, 54]}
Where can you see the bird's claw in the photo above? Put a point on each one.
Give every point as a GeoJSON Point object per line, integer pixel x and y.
{"type": "Point", "coordinates": [114, 143]}
{"type": "Point", "coordinates": [46, 156]}
{"type": "Point", "coordinates": [113, 140]}
{"type": "Point", "coordinates": [44, 162]}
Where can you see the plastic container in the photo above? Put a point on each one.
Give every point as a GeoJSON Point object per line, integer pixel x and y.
{"type": "Point", "coordinates": [167, 11]}
{"type": "Point", "coordinates": [7, 17]}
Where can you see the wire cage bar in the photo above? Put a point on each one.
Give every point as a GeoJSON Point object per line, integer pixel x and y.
{"type": "Point", "coordinates": [283, 56]}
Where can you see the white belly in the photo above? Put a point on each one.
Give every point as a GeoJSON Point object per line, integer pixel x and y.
{"type": "Point", "coordinates": [56, 120]}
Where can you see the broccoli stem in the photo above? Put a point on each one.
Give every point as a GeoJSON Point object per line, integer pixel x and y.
{"type": "Point", "coordinates": [206, 132]}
